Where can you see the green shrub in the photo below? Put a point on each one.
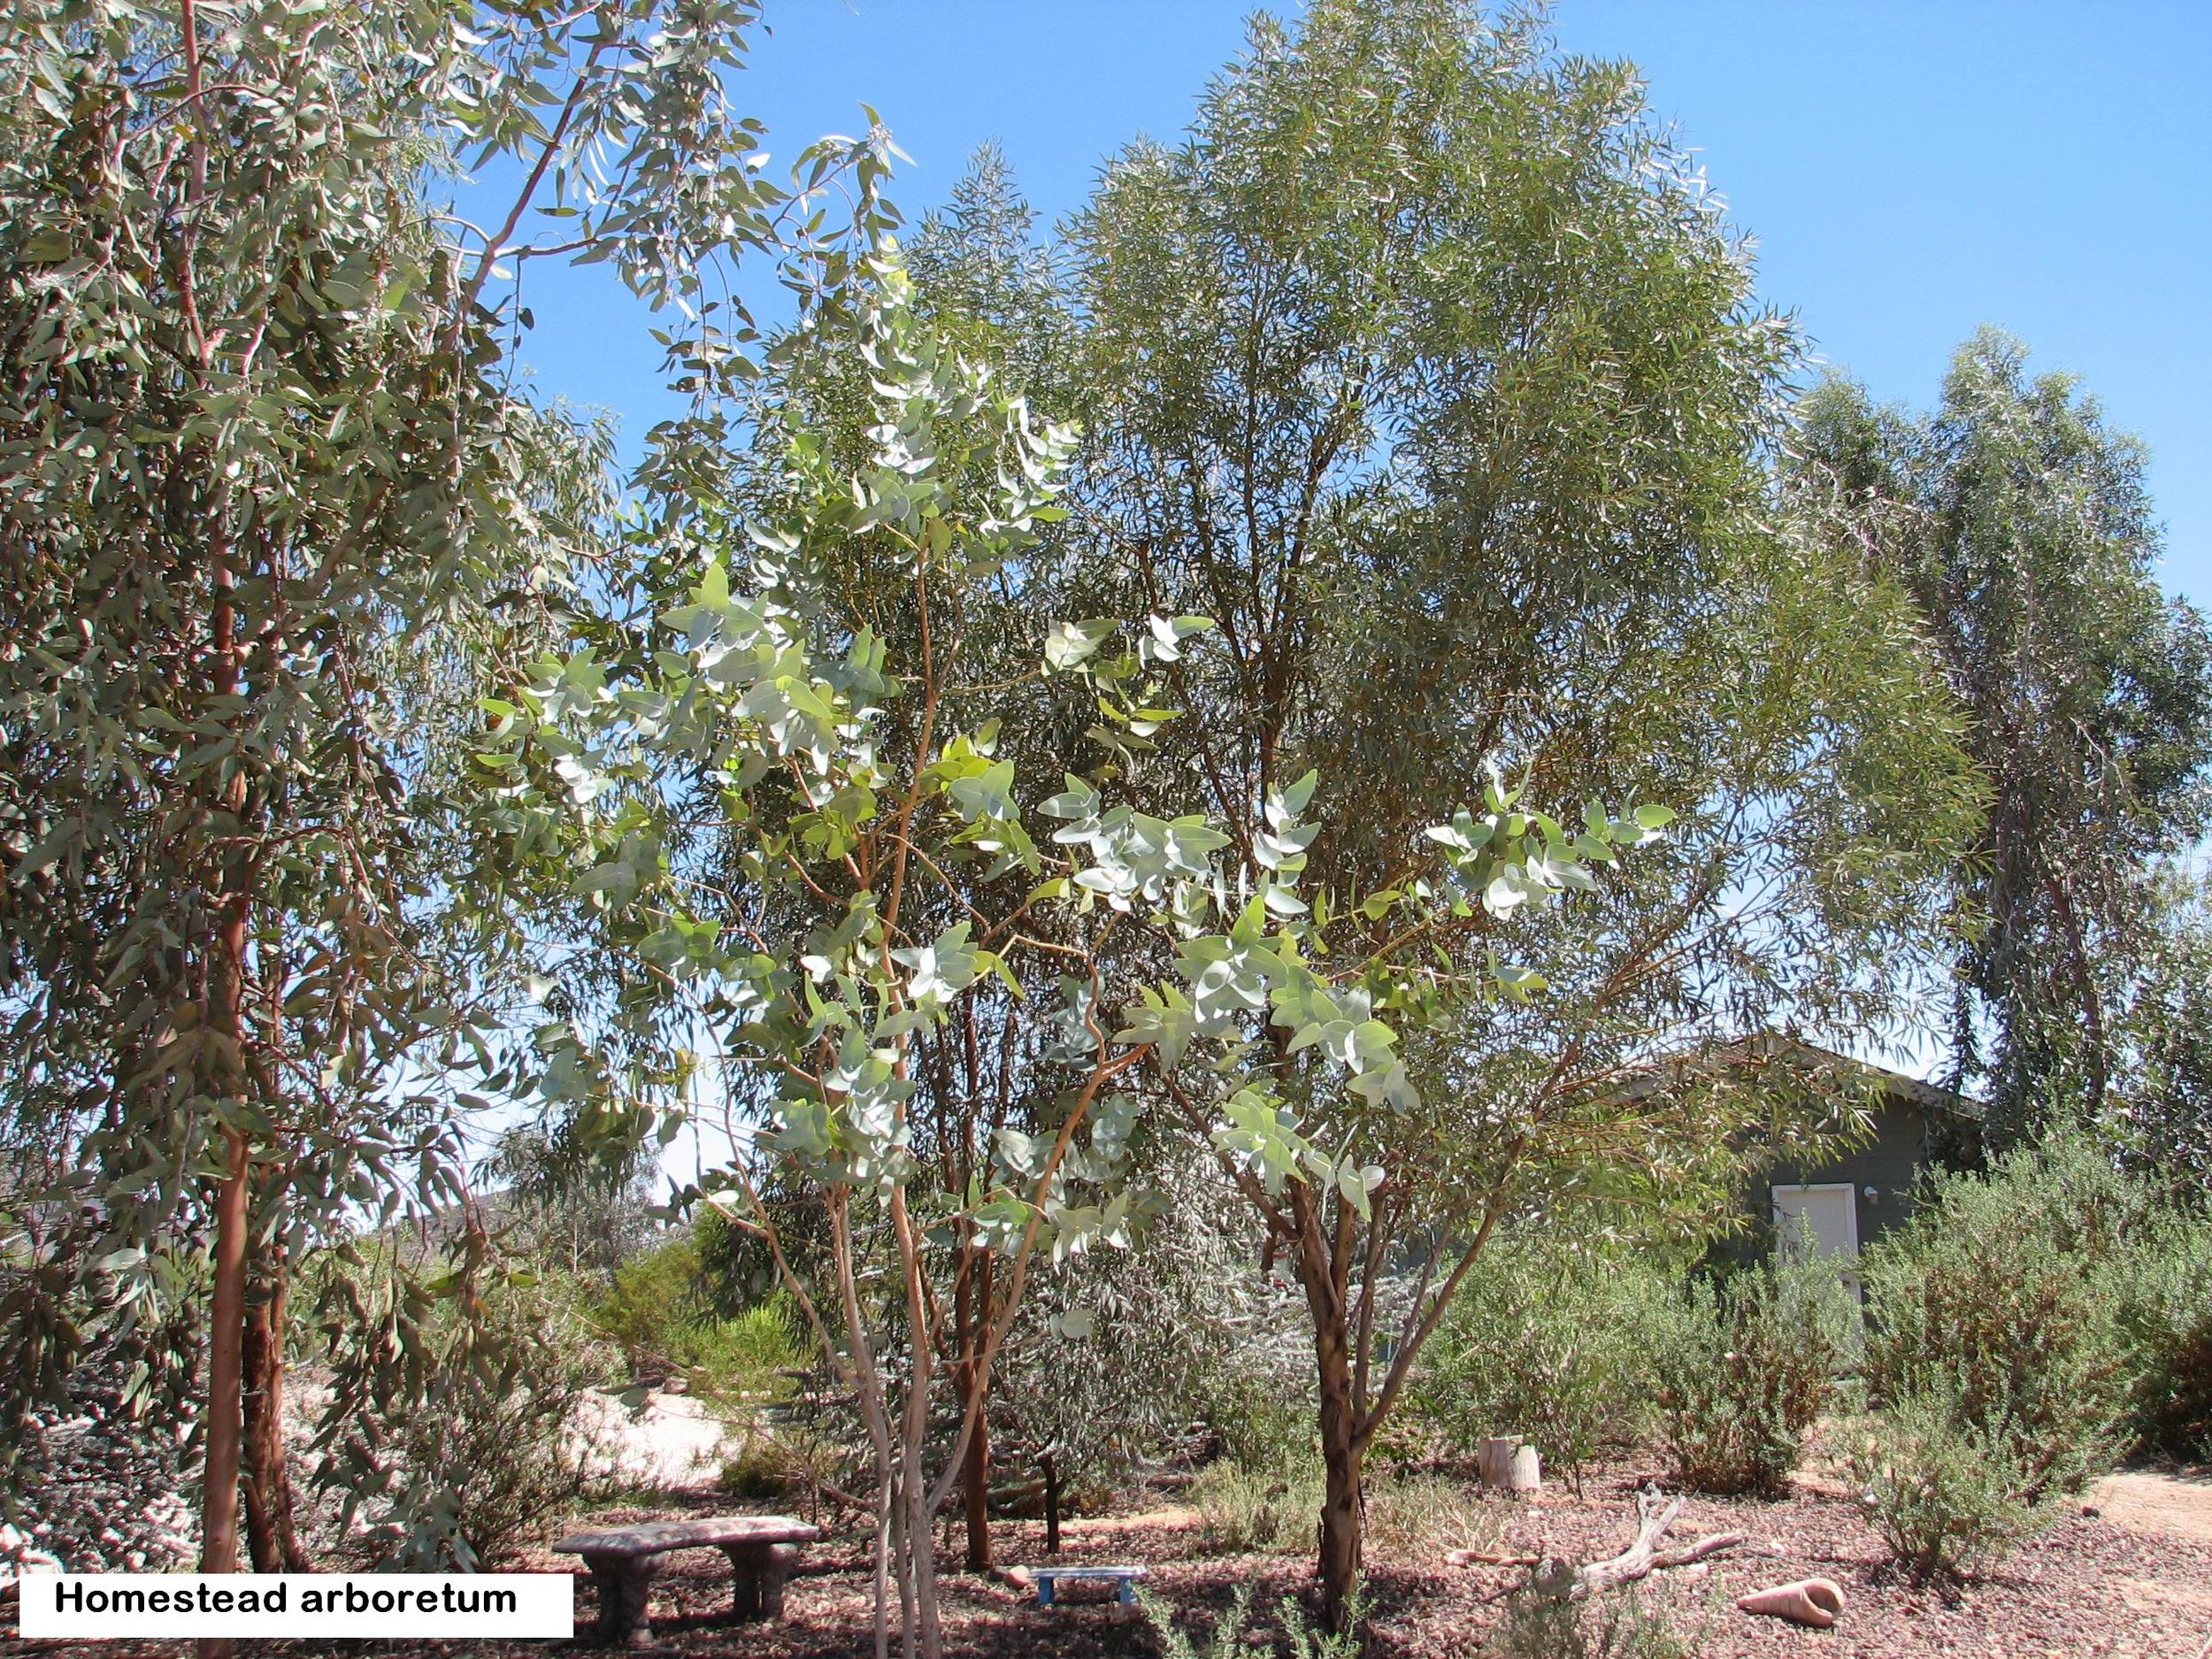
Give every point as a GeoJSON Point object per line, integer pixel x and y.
{"type": "Point", "coordinates": [1547, 1344]}
{"type": "Point", "coordinates": [658, 1310]}
{"type": "Point", "coordinates": [1245, 1507]}
{"type": "Point", "coordinates": [1262, 1424]}
{"type": "Point", "coordinates": [1947, 1495]}
{"type": "Point", "coordinates": [1742, 1367]}
{"type": "Point", "coordinates": [1541, 1627]}
{"type": "Point", "coordinates": [1226, 1640]}
{"type": "Point", "coordinates": [760, 1469]}
{"type": "Point", "coordinates": [653, 1299]}
{"type": "Point", "coordinates": [2165, 1317]}
{"type": "Point", "coordinates": [1227, 1634]}
{"type": "Point", "coordinates": [2001, 1297]}
{"type": "Point", "coordinates": [505, 1440]}
{"type": "Point", "coordinates": [745, 1354]}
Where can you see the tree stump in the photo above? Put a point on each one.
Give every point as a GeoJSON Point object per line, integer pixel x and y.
{"type": "Point", "coordinates": [1494, 1459]}
{"type": "Point", "coordinates": [1525, 1472]}
{"type": "Point", "coordinates": [1506, 1465]}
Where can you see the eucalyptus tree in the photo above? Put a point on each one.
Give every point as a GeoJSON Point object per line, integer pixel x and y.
{"type": "Point", "coordinates": [880, 877]}
{"type": "Point", "coordinates": [2165, 1117]}
{"type": "Point", "coordinates": [2019, 520]}
{"type": "Point", "coordinates": [269, 505]}
{"type": "Point", "coordinates": [1426, 368]}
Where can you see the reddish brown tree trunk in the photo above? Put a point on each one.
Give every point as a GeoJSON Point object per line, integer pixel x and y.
{"type": "Point", "coordinates": [218, 1506]}
{"type": "Point", "coordinates": [271, 1538]}
{"type": "Point", "coordinates": [1343, 1456]}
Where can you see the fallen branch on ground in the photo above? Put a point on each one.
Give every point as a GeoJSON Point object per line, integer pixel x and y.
{"type": "Point", "coordinates": [1655, 1516]}
{"type": "Point", "coordinates": [1486, 1558]}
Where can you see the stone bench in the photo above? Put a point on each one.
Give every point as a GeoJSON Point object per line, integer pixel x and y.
{"type": "Point", "coordinates": [761, 1549]}
{"type": "Point", "coordinates": [1124, 1578]}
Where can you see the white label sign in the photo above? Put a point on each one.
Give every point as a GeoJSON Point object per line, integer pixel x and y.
{"type": "Point", "coordinates": [456, 1606]}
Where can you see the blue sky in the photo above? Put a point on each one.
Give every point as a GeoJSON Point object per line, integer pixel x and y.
{"type": "Point", "coordinates": [1909, 171]}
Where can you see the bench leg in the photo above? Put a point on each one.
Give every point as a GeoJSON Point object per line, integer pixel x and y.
{"type": "Point", "coordinates": [760, 1572]}
{"type": "Point", "coordinates": [1044, 1592]}
{"type": "Point", "coordinates": [1128, 1594]}
{"type": "Point", "coordinates": [625, 1585]}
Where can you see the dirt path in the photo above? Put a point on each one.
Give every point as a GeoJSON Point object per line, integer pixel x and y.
{"type": "Point", "coordinates": [2177, 1506]}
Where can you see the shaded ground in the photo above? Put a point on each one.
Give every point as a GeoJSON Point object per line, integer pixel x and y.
{"type": "Point", "coordinates": [2127, 1574]}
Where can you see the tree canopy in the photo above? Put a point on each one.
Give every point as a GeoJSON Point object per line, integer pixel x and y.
{"type": "Point", "coordinates": [2018, 520]}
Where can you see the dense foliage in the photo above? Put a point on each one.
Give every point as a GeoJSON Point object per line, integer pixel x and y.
{"type": "Point", "coordinates": [1745, 1365]}
{"type": "Point", "coordinates": [2017, 518]}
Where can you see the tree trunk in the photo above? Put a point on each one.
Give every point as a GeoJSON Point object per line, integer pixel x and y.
{"type": "Point", "coordinates": [218, 1491]}
{"type": "Point", "coordinates": [976, 1483]}
{"type": "Point", "coordinates": [270, 1540]}
{"type": "Point", "coordinates": [1344, 1503]}
{"type": "Point", "coordinates": [219, 1068]}
{"type": "Point", "coordinates": [975, 1478]}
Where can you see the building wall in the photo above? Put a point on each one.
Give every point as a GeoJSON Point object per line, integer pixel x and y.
{"type": "Point", "coordinates": [1904, 1144]}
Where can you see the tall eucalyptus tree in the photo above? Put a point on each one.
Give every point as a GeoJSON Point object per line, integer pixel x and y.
{"type": "Point", "coordinates": [270, 501]}
{"type": "Point", "coordinates": [1426, 368]}
{"type": "Point", "coordinates": [2019, 521]}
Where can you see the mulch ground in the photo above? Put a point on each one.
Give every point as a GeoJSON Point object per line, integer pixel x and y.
{"type": "Point", "coordinates": [2093, 1585]}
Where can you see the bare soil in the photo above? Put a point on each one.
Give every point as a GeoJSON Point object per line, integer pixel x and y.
{"type": "Point", "coordinates": [2126, 1572]}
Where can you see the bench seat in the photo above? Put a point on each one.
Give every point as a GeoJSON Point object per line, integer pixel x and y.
{"type": "Point", "coordinates": [1126, 1578]}
{"type": "Point", "coordinates": [762, 1550]}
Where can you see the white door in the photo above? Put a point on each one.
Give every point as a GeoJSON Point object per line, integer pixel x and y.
{"type": "Point", "coordinates": [1831, 1207]}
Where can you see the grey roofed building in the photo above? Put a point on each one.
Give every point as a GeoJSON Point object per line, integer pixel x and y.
{"type": "Point", "coordinates": [1851, 1197]}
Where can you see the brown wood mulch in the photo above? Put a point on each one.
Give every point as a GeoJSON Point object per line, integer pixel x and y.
{"type": "Point", "coordinates": [2094, 1585]}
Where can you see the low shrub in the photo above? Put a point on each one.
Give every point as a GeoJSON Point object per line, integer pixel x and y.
{"type": "Point", "coordinates": [1542, 1626]}
{"type": "Point", "coordinates": [1742, 1367]}
{"type": "Point", "coordinates": [659, 1311]}
{"type": "Point", "coordinates": [1264, 1420]}
{"type": "Point", "coordinates": [760, 1469]}
{"type": "Point", "coordinates": [2001, 1297]}
{"type": "Point", "coordinates": [1547, 1344]}
{"type": "Point", "coordinates": [1947, 1495]}
{"type": "Point", "coordinates": [1244, 1506]}
{"type": "Point", "coordinates": [2165, 1317]}
{"type": "Point", "coordinates": [1227, 1638]}
{"type": "Point", "coordinates": [506, 1438]}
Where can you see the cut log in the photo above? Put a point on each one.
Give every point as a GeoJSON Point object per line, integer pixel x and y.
{"type": "Point", "coordinates": [1494, 1459]}
{"type": "Point", "coordinates": [1525, 1472]}
{"type": "Point", "coordinates": [1655, 1515]}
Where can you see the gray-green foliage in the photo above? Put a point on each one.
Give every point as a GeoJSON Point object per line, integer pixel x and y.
{"type": "Point", "coordinates": [1428, 350]}
{"type": "Point", "coordinates": [1228, 1639]}
{"type": "Point", "coordinates": [1548, 1343]}
{"type": "Point", "coordinates": [1949, 1494]}
{"type": "Point", "coordinates": [2165, 1116]}
{"type": "Point", "coordinates": [2002, 1296]}
{"type": "Point", "coordinates": [1120, 1351]}
{"type": "Point", "coordinates": [2018, 518]}
{"type": "Point", "coordinates": [1540, 1627]}
{"type": "Point", "coordinates": [1259, 1505]}
{"type": "Point", "coordinates": [271, 506]}
{"type": "Point", "coordinates": [1744, 1364]}
{"type": "Point", "coordinates": [498, 1429]}
{"type": "Point", "coordinates": [2165, 1297]}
